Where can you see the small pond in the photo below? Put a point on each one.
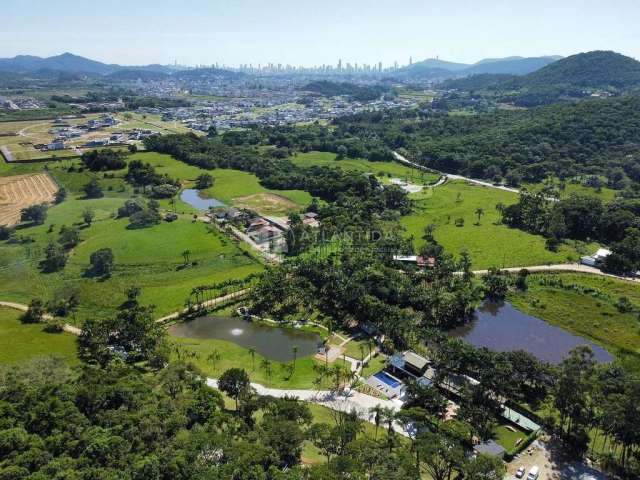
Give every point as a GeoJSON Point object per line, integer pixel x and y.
{"type": "Point", "coordinates": [274, 342]}
{"type": "Point", "coordinates": [194, 198]}
{"type": "Point", "coordinates": [501, 327]}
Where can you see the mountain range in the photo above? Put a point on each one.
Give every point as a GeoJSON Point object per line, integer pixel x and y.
{"type": "Point", "coordinates": [436, 69]}
{"type": "Point", "coordinates": [426, 69]}
{"type": "Point", "coordinates": [68, 62]}
{"type": "Point", "coordinates": [571, 77]}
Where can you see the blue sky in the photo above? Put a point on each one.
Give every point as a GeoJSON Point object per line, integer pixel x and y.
{"type": "Point", "coordinates": [315, 32]}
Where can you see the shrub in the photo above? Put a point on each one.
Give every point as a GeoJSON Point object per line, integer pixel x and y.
{"type": "Point", "coordinates": [101, 160]}
{"type": "Point", "coordinates": [102, 262]}
{"type": "Point", "coordinates": [93, 189]}
{"type": "Point", "coordinates": [5, 232]}
{"type": "Point", "coordinates": [35, 312]}
{"type": "Point", "coordinates": [36, 214]}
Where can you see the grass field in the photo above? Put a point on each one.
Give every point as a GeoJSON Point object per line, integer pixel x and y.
{"type": "Point", "coordinates": [150, 258]}
{"type": "Point", "coordinates": [20, 342]}
{"type": "Point", "coordinates": [235, 356]}
{"type": "Point", "coordinates": [586, 305]}
{"type": "Point", "coordinates": [605, 194]}
{"type": "Point", "coordinates": [230, 186]}
{"type": "Point", "coordinates": [507, 437]}
{"type": "Point", "coordinates": [489, 244]}
{"type": "Point", "coordinates": [383, 170]}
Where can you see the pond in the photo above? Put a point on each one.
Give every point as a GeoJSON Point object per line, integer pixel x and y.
{"type": "Point", "coordinates": [195, 199]}
{"type": "Point", "coordinates": [501, 327]}
{"type": "Point", "coordinates": [274, 343]}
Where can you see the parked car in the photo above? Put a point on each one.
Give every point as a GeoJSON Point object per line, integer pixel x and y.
{"type": "Point", "coordinates": [533, 473]}
{"type": "Point", "coordinates": [520, 472]}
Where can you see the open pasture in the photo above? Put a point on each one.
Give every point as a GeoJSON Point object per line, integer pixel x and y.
{"type": "Point", "coordinates": [21, 342]}
{"type": "Point", "coordinates": [489, 243]}
{"type": "Point", "coordinates": [383, 170]}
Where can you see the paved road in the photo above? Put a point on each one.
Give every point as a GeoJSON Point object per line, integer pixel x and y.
{"type": "Point", "coordinates": [209, 303]}
{"type": "Point", "coordinates": [563, 267]}
{"type": "Point", "coordinates": [272, 257]}
{"type": "Point", "coordinates": [450, 176]}
{"type": "Point", "coordinates": [343, 402]}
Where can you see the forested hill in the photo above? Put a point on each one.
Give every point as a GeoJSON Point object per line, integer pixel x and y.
{"type": "Point", "coordinates": [574, 77]}
{"type": "Point", "coordinates": [356, 92]}
{"type": "Point", "coordinates": [476, 82]}
{"type": "Point", "coordinates": [590, 137]}
{"type": "Point", "coordinates": [598, 69]}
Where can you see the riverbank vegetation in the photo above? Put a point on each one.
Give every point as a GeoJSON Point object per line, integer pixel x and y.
{"type": "Point", "coordinates": [605, 310]}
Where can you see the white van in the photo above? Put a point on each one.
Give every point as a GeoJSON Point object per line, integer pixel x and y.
{"type": "Point", "coordinates": [534, 473]}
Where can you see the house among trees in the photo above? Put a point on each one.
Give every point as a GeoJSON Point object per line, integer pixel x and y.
{"type": "Point", "coordinates": [421, 261]}
{"type": "Point", "coordinates": [310, 219]}
{"type": "Point", "coordinates": [596, 259]}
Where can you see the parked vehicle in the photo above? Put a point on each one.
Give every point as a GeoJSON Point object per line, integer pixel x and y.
{"type": "Point", "coordinates": [534, 473]}
{"type": "Point", "coordinates": [520, 472]}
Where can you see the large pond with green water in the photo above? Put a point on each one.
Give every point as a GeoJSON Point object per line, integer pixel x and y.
{"type": "Point", "coordinates": [272, 342]}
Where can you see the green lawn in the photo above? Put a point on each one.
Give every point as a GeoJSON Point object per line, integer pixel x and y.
{"type": "Point", "coordinates": [374, 366]}
{"type": "Point", "coordinates": [507, 437]}
{"type": "Point", "coordinates": [605, 194]}
{"type": "Point", "coordinates": [585, 305]}
{"type": "Point", "coordinates": [235, 356]}
{"type": "Point", "coordinates": [489, 244]}
{"type": "Point", "coordinates": [383, 170]}
{"type": "Point", "coordinates": [20, 342]}
{"type": "Point", "coordinates": [150, 258]}
{"type": "Point", "coordinates": [353, 348]}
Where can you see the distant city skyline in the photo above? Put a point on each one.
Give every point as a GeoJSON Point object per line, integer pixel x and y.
{"type": "Point", "coordinates": [237, 32]}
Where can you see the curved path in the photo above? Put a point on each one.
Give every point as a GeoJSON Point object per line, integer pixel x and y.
{"type": "Point", "coordinates": [563, 267]}
{"type": "Point", "coordinates": [23, 308]}
{"type": "Point", "coordinates": [214, 302]}
{"type": "Point", "coordinates": [346, 401]}
{"type": "Point", "coordinates": [450, 176]}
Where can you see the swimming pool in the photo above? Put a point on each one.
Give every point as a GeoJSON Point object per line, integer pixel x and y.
{"type": "Point", "coordinates": [387, 379]}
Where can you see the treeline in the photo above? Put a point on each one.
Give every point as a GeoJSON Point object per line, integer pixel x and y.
{"type": "Point", "coordinates": [592, 137]}
{"type": "Point", "coordinates": [586, 218]}
{"type": "Point", "coordinates": [361, 93]}
{"type": "Point", "coordinates": [135, 102]}
{"type": "Point", "coordinates": [361, 282]}
{"type": "Point", "coordinates": [364, 195]}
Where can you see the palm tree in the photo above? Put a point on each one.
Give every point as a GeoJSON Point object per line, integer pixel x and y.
{"type": "Point", "coordinates": [389, 416]}
{"type": "Point", "coordinates": [479, 213]}
{"type": "Point", "coordinates": [295, 354]}
{"type": "Point", "coordinates": [326, 353]}
{"type": "Point", "coordinates": [214, 358]}
{"type": "Point", "coordinates": [186, 254]}
{"type": "Point", "coordinates": [361, 346]}
{"type": "Point", "coordinates": [252, 352]}
{"type": "Point", "coordinates": [500, 209]}
{"type": "Point", "coordinates": [377, 418]}
{"type": "Point", "coordinates": [266, 366]}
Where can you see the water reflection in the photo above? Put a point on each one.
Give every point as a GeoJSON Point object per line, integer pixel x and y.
{"type": "Point", "coordinates": [194, 198]}
{"type": "Point", "coordinates": [272, 342]}
{"type": "Point", "coordinates": [501, 327]}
